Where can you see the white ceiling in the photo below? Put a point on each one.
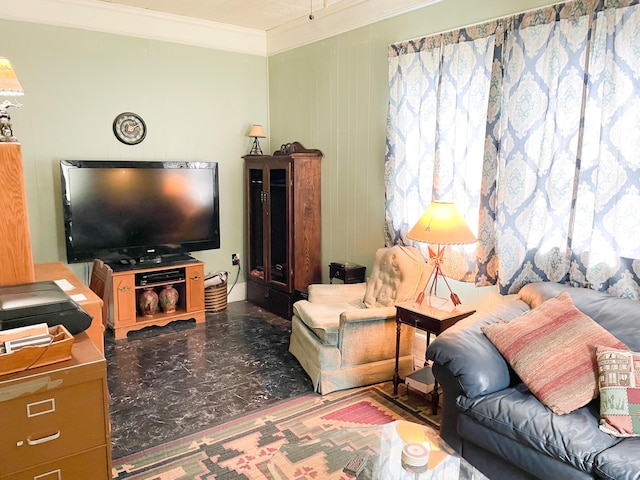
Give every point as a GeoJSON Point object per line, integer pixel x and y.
{"type": "Point", "coordinates": [260, 27]}
{"type": "Point", "coordinates": [257, 14]}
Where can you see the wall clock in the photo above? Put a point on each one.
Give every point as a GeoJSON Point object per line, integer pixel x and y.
{"type": "Point", "coordinates": [129, 128]}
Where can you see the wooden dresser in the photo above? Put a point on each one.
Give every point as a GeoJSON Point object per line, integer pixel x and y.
{"type": "Point", "coordinates": [55, 419]}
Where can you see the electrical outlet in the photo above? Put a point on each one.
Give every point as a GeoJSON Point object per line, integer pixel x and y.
{"type": "Point", "coordinates": [235, 260]}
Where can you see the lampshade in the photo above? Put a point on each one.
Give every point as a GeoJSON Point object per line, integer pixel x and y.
{"type": "Point", "coordinates": [442, 224]}
{"type": "Point", "coordinates": [257, 132]}
{"type": "Point", "coordinates": [9, 84]}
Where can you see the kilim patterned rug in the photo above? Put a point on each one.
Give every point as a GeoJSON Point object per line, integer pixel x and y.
{"type": "Point", "coordinates": [242, 448]}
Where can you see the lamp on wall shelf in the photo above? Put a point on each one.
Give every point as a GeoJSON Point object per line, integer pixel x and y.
{"type": "Point", "coordinates": [442, 224]}
{"type": "Point", "coordinates": [9, 87]}
{"type": "Point", "coordinates": [256, 132]}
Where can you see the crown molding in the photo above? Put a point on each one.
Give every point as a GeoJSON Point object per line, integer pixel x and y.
{"type": "Point", "coordinates": [137, 22]}
{"type": "Point", "coordinates": [336, 19]}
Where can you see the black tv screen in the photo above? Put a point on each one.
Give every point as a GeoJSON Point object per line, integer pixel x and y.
{"type": "Point", "coordinates": [131, 210]}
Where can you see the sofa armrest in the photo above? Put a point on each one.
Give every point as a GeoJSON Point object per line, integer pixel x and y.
{"type": "Point", "coordinates": [468, 354]}
{"type": "Point", "coordinates": [336, 293]}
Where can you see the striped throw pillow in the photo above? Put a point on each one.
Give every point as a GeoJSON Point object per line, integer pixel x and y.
{"type": "Point", "coordinates": [552, 349]}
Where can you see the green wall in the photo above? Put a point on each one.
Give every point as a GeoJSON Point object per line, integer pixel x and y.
{"type": "Point", "coordinates": [333, 95]}
{"type": "Point", "coordinates": [198, 105]}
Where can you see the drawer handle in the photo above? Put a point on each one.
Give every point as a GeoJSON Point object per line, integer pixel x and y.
{"type": "Point", "coordinates": [124, 289]}
{"type": "Point", "coordinates": [42, 440]}
{"type": "Point", "coordinates": [195, 278]}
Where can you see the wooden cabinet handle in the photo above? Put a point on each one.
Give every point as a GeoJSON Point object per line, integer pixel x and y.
{"type": "Point", "coordinates": [124, 288]}
{"type": "Point", "coordinates": [39, 441]}
{"type": "Point", "coordinates": [195, 278]}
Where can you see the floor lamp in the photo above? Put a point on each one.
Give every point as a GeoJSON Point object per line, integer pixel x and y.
{"type": "Point", "coordinates": [442, 224]}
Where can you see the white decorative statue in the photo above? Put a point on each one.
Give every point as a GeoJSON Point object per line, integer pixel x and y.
{"type": "Point", "coordinates": [6, 133]}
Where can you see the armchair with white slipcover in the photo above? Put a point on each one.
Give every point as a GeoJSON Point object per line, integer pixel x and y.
{"type": "Point", "coordinates": [344, 335]}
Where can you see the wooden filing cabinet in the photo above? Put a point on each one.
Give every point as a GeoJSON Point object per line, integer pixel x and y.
{"type": "Point", "coordinates": [55, 419]}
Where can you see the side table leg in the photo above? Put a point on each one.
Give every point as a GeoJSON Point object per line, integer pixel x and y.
{"type": "Point", "coordinates": [426, 362]}
{"type": "Point", "coordinates": [396, 373]}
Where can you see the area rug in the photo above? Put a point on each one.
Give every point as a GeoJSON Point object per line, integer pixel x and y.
{"type": "Point", "coordinates": [242, 448]}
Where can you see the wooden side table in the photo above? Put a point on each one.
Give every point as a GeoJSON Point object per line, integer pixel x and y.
{"type": "Point", "coordinates": [347, 272]}
{"type": "Point", "coordinates": [430, 319]}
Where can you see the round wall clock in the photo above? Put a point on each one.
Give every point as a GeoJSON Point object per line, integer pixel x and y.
{"type": "Point", "coordinates": [129, 128]}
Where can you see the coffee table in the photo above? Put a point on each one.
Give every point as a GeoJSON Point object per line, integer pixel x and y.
{"type": "Point", "coordinates": [325, 456]}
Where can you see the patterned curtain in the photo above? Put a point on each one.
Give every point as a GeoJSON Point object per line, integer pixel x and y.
{"type": "Point", "coordinates": [437, 116]}
{"type": "Point", "coordinates": [606, 233]}
{"type": "Point", "coordinates": [542, 94]}
{"type": "Point", "coordinates": [553, 183]}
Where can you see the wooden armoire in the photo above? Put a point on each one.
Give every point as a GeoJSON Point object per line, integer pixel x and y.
{"type": "Point", "coordinates": [283, 226]}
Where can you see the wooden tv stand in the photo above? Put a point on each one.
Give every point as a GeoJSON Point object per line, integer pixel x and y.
{"type": "Point", "coordinates": [128, 284]}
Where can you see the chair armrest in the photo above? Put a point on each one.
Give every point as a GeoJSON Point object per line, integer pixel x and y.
{"type": "Point", "coordinates": [336, 293]}
{"type": "Point", "coordinates": [468, 354]}
{"type": "Point", "coordinates": [369, 335]}
{"type": "Point", "coordinates": [375, 314]}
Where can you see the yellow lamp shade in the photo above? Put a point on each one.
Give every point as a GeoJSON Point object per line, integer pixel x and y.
{"type": "Point", "coordinates": [442, 224]}
{"type": "Point", "coordinates": [9, 84]}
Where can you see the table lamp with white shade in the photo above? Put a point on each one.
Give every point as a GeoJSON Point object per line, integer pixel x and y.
{"type": "Point", "coordinates": [442, 224]}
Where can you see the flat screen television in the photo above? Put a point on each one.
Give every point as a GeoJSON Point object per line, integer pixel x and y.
{"type": "Point", "coordinates": [137, 211]}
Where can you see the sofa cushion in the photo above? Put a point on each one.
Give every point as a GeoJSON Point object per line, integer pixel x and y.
{"type": "Point", "coordinates": [618, 373]}
{"type": "Point", "coordinates": [620, 462]}
{"type": "Point", "coordinates": [552, 349]}
{"type": "Point", "coordinates": [516, 414]}
{"type": "Point", "coordinates": [323, 319]}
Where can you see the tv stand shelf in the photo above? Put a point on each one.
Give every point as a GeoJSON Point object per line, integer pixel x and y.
{"type": "Point", "coordinates": [186, 278]}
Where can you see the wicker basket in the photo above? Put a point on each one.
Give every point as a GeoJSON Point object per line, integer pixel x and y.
{"type": "Point", "coordinates": [215, 296]}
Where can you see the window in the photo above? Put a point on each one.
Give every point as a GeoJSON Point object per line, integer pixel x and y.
{"type": "Point", "coordinates": [531, 125]}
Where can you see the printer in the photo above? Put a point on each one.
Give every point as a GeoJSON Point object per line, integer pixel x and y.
{"type": "Point", "coordinates": [40, 302]}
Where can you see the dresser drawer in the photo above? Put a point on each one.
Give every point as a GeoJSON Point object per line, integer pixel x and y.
{"type": "Point", "coordinates": [88, 465]}
{"type": "Point", "coordinates": [51, 424]}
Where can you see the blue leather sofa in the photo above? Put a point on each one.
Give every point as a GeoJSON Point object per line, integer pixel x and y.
{"type": "Point", "coordinates": [492, 419]}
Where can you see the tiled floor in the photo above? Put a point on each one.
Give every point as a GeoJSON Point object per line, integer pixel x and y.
{"type": "Point", "coordinates": [167, 382]}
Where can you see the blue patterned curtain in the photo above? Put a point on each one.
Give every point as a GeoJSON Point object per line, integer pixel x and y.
{"type": "Point", "coordinates": [437, 119]}
{"type": "Point", "coordinates": [543, 161]}
{"type": "Point", "coordinates": [606, 233]}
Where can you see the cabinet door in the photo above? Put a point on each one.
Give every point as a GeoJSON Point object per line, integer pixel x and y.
{"type": "Point", "coordinates": [280, 227]}
{"type": "Point", "coordinates": [124, 299]}
{"type": "Point", "coordinates": [195, 288]}
{"type": "Point", "coordinates": [256, 199]}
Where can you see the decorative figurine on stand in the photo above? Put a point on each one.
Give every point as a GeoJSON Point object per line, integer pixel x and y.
{"type": "Point", "coordinates": [9, 87]}
{"type": "Point", "coordinates": [6, 132]}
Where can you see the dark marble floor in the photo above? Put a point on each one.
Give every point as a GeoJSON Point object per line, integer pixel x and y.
{"type": "Point", "coordinates": [168, 382]}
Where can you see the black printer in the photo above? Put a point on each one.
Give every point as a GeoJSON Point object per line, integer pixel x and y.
{"type": "Point", "coordinates": [40, 302]}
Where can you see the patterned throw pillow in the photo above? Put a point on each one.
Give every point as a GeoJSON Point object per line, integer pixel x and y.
{"type": "Point", "coordinates": [619, 383]}
{"type": "Point", "coordinates": [552, 349]}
